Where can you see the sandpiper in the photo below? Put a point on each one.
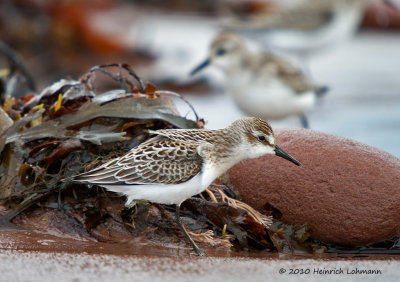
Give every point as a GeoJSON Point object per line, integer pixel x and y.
{"type": "Point", "coordinates": [304, 26]}
{"type": "Point", "coordinates": [176, 164]}
{"type": "Point", "coordinates": [263, 84]}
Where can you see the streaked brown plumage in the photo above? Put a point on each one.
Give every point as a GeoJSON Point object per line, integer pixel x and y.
{"type": "Point", "coordinates": [179, 163]}
{"type": "Point", "coordinates": [173, 156]}
{"type": "Point", "coordinates": [161, 160]}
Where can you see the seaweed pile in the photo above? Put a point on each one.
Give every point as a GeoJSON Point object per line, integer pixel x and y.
{"type": "Point", "coordinates": [74, 125]}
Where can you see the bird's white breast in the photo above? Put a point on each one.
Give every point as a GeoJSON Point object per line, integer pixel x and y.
{"type": "Point", "coordinates": [161, 193]}
{"type": "Point", "coordinates": [268, 98]}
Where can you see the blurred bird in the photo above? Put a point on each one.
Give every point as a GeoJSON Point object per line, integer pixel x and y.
{"type": "Point", "coordinates": [264, 85]}
{"type": "Point", "coordinates": [304, 26]}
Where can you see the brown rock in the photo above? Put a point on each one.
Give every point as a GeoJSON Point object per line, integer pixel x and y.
{"type": "Point", "coordinates": [347, 191]}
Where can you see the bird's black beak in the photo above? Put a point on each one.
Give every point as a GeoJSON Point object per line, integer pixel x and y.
{"type": "Point", "coordinates": [200, 67]}
{"type": "Point", "coordinates": [281, 153]}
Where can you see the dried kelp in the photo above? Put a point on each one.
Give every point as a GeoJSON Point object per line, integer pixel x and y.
{"type": "Point", "coordinates": [118, 104]}
{"type": "Point", "coordinates": [51, 135]}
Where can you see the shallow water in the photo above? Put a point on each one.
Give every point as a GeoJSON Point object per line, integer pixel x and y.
{"type": "Point", "coordinates": [33, 241]}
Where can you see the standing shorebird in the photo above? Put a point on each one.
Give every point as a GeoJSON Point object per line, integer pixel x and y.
{"type": "Point", "coordinates": [179, 163]}
{"type": "Point", "coordinates": [264, 85]}
{"type": "Point", "coordinates": [303, 27]}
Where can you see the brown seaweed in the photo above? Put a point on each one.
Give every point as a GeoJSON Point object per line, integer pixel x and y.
{"type": "Point", "coordinates": [49, 141]}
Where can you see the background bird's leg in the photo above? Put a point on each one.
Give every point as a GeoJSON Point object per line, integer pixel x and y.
{"type": "Point", "coordinates": [304, 121]}
{"type": "Point", "coordinates": [198, 251]}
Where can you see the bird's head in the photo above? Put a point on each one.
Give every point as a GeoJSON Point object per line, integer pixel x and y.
{"type": "Point", "coordinates": [258, 139]}
{"type": "Point", "coordinates": [226, 52]}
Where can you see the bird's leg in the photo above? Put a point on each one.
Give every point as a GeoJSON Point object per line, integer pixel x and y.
{"type": "Point", "coordinates": [198, 251]}
{"type": "Point", "coordinates": [304, 121]}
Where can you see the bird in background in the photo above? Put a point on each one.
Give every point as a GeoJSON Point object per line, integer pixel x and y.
{"type": "Point", "coordinates": [176, 164]}
{"type": "Point", "coordinates": [265, 85]}
{"type": "Point", "coordinates": [302, 27]}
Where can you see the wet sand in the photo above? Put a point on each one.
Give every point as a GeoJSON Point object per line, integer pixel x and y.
{"type": "Point", "coordinates": [37, 266]}
{"type": "Point", "coordinates": [30, 256]}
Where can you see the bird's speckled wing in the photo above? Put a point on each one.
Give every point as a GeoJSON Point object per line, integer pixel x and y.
{"type": "Point", "coordinates": [157, 161]}
{"type": "Point", "coordinates": [276, 65]}
{"type": "Point", "coordinates": [187, 136]}
{"type": "Point", "coordinates": [306, 16]}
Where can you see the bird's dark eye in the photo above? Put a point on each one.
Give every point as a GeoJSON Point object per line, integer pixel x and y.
{"type": "Point", "coordinates": [221, 52]}
{"type": "Point", "coordinates": [261, 138]}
